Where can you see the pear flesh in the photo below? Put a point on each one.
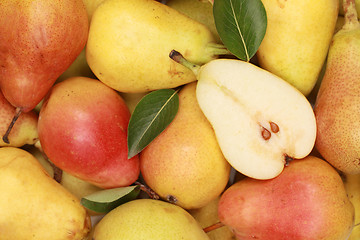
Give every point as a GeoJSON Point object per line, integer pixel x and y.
{"type": "Point", "coordinates": [260, 120]}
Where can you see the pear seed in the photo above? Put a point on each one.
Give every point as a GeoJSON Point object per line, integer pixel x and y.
{"type": "Point", "coordinates": [266, 134]}
{"type": "Point", "coordinates": [274, 127]}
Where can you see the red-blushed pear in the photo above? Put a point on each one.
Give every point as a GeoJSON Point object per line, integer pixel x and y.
{"type": "Point", "coordinates": [24, 130]}
{"type": "Point", "coordinates": [38, 41]}
{"type": "Point", "coordinates": [306, 201]}
{"type": "Point", "coordinates": [83, 130]}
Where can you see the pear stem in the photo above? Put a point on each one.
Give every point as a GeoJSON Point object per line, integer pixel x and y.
{"type": "Point", "coordinates": [179, 58]}
{"type": "Point", "coordinates": [351, 18]}
{"type": "Point", "coordinates": [217, 49]}
{"type": "Point", "coordinates": [214, 227]}
{"type": "Point", "coordinates": [151, 193]}
{"type": "Point", "coordinates": [5, 138]}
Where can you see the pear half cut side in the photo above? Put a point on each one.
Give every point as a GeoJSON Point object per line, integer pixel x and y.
{"type": "Point", "coordinates": [259, 119]}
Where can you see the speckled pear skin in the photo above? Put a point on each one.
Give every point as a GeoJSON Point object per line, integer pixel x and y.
{"type": "Point", "coordinates": [338, 101]}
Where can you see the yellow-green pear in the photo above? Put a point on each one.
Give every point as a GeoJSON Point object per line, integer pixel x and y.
{"type": "Point", "coordinates": [338, 101]}
{"type": "Point", "coordinates": [148, 219]}
{"type": "Point", "coordinates": [130, 41]}
{"type": "Point", "coordinates": [132, 99]}
{"type": "Point", "coordinates": [199, 10]}
{"type": "Point", "coordinates": [297, 39]}
{"type": "Point", "coordinates": [79, 188]}
{"type": "Point", "coordinates": [33, 205]}
{"type": "Point", "coordinates": [184, 164]}
{"type": "Point", "coordinates": [208, 216]}
{"type": "Point", "coordinates": [79, 68]}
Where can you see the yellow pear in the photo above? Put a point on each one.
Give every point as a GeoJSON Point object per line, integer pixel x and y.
{"type": "Point", "coordinates": [208, 216]}
{"type": "Point", "coordinates": [130, 41]}
{"type": "Point", "coordinates": [184, 164]}
{"type": "Point", "coordinates": [199, 10]}
{"type": "Point", "coordinates": [90, 6]}
{"type": "Point", "coordinates": [33, 205]}
{"type": "Point", "coordinates": [352, 187]}
{"type": "Point", "coordinates": [297, 39]}
{"type": "Point", "coordinates": [338, 101]}
{"type": "Point", "coordinates": [24, 131]}
{"type": "Point", "coordinates": [148, 219]}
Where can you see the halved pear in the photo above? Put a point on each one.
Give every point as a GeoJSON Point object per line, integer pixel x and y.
{"type": "Point", "coordinates": [261, 121]}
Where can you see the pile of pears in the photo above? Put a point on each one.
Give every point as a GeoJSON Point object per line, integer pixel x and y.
{"type": "Point", "coordinates": [260, 149]}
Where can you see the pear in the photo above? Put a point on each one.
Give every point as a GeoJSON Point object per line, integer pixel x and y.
{"type": "Point", "coordinates": [297, 39]}
{"type": "Point", "coordinates": [306, 201]}
{"type": "Point", "coordinates": [33, 205]}
{"type": "Point", "coordinates": [184, 164]}
{"type": "Point", "coordinates": [79, 68]}
{"type": "Point", "coordinates": [90, 137]}
{"type": "Point", "coordinates": [132, 99]}
{"type": "Point", "coordinates": [208, 216]}
{"type": "Point", "coordinates": [337, 104]}
{"type": "Point", "coordinates": [78, 187]}
{"type": "Point", "coordinates": [199, 10]}
{"type": "Point", "coordinates": [352, 187]}
{"type": "Point", "coordinates": [40, 39]}
{"type": "Point", "coordinates": [91, 6]}
{"type": "Point", "coordinates": [24, 131]}
{"type": "Point", "coordinates": [261, 122]}
{"type": "Point", "coordinates": [129, 43]}
{"type": "Point", "coordinates": [148, 219]}
{"type": "Point", "coordinates": [341, 8]}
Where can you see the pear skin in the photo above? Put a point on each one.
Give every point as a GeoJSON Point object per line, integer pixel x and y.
{"type": "Point", "coordinates": [148, 219]}
{"type": "Point", "coordinates": [352, 187]}
{"type": "Point", "coordinates": [35, 206]}
{"type": "Point", "coordinates": [130, 41]}
{"type": "Point", "coordinates": [184, 164]}
{"type": "Point", "coordinates": [41, 39]}
{"type": "Point", "coordinates": [199, 10]}
{"type": "Point", "coordinates": [338, 101]}
{"type": "Point", "coordinates": [297, 39]}
{"type": "Point", "coordinates": [307, 201]}
{"type": "Point", "coordinates": [24, 130]}
{"type": "Point", "coordinates": [91, 6]}
{"type": "Point", "coordinates": [341, 8]}
{"type": "Point", "coordinates": [207, 216]}
{"type": "Point", "coordinates": [90, 137]}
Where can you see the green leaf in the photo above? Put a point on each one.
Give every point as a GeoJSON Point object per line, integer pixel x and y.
{"type": "Point", "coordinates": [105, 200]}
{"type": "Point", "coordinates": [151, 116]}
{"type": "Point", "coordinates": [241, 25]}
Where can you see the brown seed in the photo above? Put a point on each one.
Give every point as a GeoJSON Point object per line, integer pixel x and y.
{"type": "Point", "coordinates": [266, 134]}
{"type": "Point", "coordinates": [274, 127]}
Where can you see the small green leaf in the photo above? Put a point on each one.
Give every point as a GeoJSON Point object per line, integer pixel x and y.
{"type": "Point", "coordinates": [151, 116]}
{"type": "Point", "coordinates": [105, 200]}
{"type": "Point", "coordinates": [241, 25]}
